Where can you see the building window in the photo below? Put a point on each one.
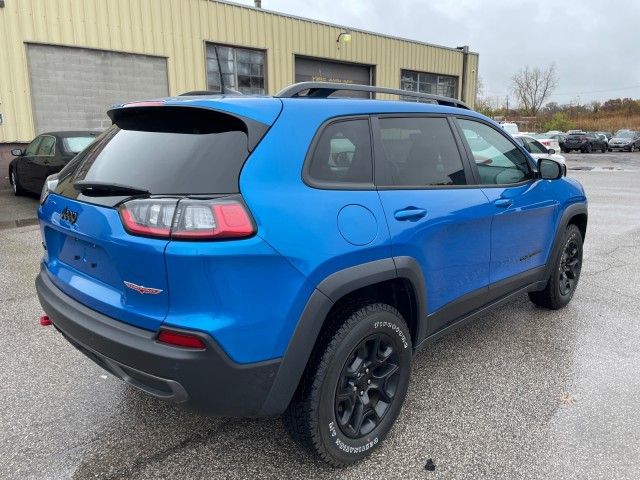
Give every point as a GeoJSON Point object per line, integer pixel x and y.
{"type": "Point", "coordinates": [242, 69]}
{"type": "Point", "coordinates": [433, 83]}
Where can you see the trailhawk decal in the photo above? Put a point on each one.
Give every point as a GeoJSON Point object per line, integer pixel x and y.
{"type": "Point", "coordinates": [395, 328]}
{"type": "Point", "coordinates": [141, 289]}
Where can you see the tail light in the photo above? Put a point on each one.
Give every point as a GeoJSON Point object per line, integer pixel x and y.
{"type": "Point", "coordinates": [188, 218]}
{"type": "Point", "coordinates": [50, 183]}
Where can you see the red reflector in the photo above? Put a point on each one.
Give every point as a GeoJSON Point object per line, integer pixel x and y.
{"type": "Point", "coordinates": [45, 321]}
{"type": "Point", "coordinates": [181, 339]}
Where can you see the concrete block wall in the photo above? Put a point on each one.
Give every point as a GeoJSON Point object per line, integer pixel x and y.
{"type": "Point", "coordinates": [72, 88]}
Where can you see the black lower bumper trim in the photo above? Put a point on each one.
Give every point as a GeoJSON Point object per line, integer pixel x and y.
{"type": "Point", "coordinates": [206, 380]}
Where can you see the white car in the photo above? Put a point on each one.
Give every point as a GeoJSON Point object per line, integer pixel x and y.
{"type": "Point", "coordinates": [538, 150]}
{"type": "Point", "coordinates": [548, 140]}
{"type": "Point", "coordinates": [510, 128]}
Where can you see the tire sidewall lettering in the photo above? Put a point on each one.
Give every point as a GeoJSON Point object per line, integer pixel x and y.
{"type": "Point", "coordinates": [389, 325]}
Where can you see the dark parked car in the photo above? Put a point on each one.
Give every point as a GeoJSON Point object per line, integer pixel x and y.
{"type": "Point", "coordinates": [586, 142]}
{"type": "Point", "coordinates": [44, 156]}
{"type": "Point", "coordinates": [628, 140]}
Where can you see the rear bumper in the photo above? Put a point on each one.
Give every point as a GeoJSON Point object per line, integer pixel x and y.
{"type": "Point", "coordinates": [206, 380]}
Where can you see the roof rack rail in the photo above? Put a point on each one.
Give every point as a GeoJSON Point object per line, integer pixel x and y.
{"type": "Point", "coordinates": [325, 89]}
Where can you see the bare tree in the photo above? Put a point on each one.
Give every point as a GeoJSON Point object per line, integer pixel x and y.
{"type": "Point", "coordinates": [533, 86]}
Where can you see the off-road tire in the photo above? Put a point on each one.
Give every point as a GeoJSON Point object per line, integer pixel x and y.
{"type": "Point", "coordinates": [312, 416]}
{"type": "Point", "coordinates": [556, 294]}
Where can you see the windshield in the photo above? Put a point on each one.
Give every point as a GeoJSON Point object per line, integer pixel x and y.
{"type": "Point", "coordinates": [624, 134]}
{"type": "Point", "coordinates": [76, 144]}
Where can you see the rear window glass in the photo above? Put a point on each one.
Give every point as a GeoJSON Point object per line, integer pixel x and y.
{"type": "Point", "coordinates": [76, 144]}
{"type": "Point", "coordinates": [165, 151]}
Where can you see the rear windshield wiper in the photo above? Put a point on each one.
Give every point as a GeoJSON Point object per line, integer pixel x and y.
{"type": "Point", "coordinates": [105, 188]}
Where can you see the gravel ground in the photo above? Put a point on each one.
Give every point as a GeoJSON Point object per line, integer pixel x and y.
{"type": "Point", "coordinates": [520, 393]}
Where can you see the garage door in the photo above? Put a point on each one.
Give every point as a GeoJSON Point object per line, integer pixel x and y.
{"type": "Point", "coordinates": [72, 88]}
{"type": "Point", "coordinates": [318, 70]}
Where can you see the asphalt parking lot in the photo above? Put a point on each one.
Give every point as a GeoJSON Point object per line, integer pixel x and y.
{"type": "Point", "coordinates": [521, 393]}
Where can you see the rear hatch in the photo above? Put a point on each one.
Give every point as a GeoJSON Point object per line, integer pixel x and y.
{"type": "Point", "coordinates": [109, 215]}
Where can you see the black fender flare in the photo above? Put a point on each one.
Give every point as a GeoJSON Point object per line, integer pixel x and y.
{"type": "Point", "coordinates": [569, 212]}
{"type": "Point", "coordinates": [322, 299]}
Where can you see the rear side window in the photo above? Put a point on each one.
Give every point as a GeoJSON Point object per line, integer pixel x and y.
{"type": "Point", "coordinates": [418, 152]}
{"type": "Point", "coordinates": [342, 155]}
{"type": "Point", "coordinates": [165, 151]}
{"type": "Point", "coordinates": [76, 144]}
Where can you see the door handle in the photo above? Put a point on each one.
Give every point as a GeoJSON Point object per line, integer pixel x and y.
{"type": "Point", "coordinates": [410, 213]}
{"type": "Point", "coordinates": [503, 202]}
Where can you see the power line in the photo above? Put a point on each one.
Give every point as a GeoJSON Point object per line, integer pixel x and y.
{"type": "Point", "coordinates": [577, 93]}
{"type": "Point", "coordinates": [597, 91]}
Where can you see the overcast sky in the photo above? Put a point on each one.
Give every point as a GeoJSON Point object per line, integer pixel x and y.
{"type": "Point", "coordinates": [595, 44]}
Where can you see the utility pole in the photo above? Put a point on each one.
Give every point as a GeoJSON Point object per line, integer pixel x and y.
{"type": "Point", "coordinates": [507, 112]}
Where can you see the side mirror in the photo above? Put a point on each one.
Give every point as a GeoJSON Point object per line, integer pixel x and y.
{"type": "Point", "coordinates": [549, 169]}
{"type": "Point", "coordinates": [551, 151]}
{"type": "Point", "coordinates": [17, 152]}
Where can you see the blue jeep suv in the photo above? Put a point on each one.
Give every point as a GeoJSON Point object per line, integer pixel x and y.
{"type": "Point", "coordinates": [288, 255]}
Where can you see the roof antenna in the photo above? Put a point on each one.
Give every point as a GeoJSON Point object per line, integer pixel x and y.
{"type": "Point", "coordinates": [223, 90]}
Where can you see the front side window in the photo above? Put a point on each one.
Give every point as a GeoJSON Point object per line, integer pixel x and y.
{"type": "Point", "coordinates": [432, 83]}
{"type": "Point", "coordinates": [243, 69]}
{"type": "Point", "coordinates": [47, 146]}
{"type": "Point", "coordinates": [343, 154]}
{"type": "Point", "coordinates": [499, 161]}
{"type": "Point", "coordinates": [32, 148]}
{"type": "Point", "coordinates": [418, 152]}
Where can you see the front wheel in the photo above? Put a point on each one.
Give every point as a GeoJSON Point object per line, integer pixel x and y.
{"type": "Point", "coordinates": [15, 183]}
{"type": "Point", "coordinates": [564, 277]}
{"type": "Point", "coordinates": [354, 386]}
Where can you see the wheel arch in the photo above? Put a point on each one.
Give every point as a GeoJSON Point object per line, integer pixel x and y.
{"type": "Point", "coordinates": [397, 281]}
{"type": "Point", "coordinates": [576, 214]}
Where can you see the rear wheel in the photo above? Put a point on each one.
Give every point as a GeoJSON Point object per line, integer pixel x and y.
{"type": "Point", "coordinates": [564, 277]}
{"type": "Point", "coordinates": [354, 386]}
{"type": "Point", "coordinates": [15, 183]}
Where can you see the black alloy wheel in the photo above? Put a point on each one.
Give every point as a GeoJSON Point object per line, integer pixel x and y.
{"type": "Point", "coordinates": [569, 271]}
{"type": "Point", "coordinates": [367, 386]}
{"type": "Point", "coordinates": [565, 272]}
